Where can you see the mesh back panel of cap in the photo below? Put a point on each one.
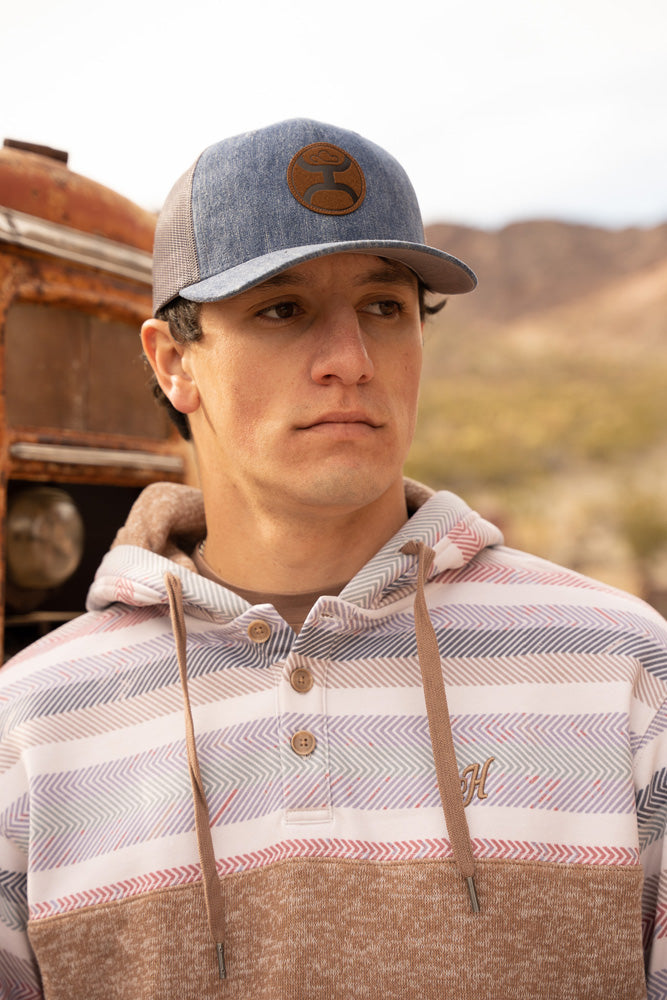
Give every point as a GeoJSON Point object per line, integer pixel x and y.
{"type": "Point", "coordinates": [175, 262]}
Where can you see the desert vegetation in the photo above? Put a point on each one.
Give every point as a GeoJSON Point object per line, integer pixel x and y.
{"type": "Point", "coordinates": [548, 411]}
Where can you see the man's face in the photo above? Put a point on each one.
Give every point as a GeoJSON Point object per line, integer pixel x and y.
{"type": "Point", "coordinates": [308, 383]}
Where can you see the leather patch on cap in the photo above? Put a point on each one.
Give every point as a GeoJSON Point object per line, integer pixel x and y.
{"type": "Point", "coordinates": [326, 179]}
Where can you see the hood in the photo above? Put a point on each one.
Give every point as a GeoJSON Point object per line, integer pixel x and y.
{"type": "Point", "coordinates": [167, 522]}
{"type": "Point", "coordinates": [149, 563]}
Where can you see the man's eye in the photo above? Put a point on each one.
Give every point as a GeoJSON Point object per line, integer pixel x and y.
{"type": "Point", "coordinates": [281, 310]}
{"type": "Point", "coordinates": [386, 307]}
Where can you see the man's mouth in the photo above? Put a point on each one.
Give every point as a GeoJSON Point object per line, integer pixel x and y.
{"type": "Point", "coordinates": [342, 417]}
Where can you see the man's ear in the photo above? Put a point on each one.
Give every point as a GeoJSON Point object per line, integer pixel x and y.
{"type": "Point", "coordinates": [165, 356]}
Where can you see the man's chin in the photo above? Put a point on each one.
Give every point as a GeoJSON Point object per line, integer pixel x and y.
{"type": "Point", "coordinates": [351, 490]}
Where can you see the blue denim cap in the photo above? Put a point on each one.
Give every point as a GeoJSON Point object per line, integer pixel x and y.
{"type": "Point", "coordinates": [261, 202]}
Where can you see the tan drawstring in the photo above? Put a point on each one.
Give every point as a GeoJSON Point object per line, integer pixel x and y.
{"type": "Point", "coordinates": [212, 890]}
{"type": "Point", "coordinates": [440, 729]}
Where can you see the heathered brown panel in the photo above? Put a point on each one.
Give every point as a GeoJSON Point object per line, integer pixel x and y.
{"type": "Point", "coordinates": [317, 929]}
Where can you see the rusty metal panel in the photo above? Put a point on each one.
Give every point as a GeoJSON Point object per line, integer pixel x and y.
{"type": "Point", "coordinates": [74, 289]}
{"type": "Point", "coordinates": [74, 371]}
{"type": "Point", "coordinates": [46, 358]}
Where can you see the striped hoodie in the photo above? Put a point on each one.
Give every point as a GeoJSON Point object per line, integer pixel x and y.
{"type": "Point", "coordinates": [328, 861]}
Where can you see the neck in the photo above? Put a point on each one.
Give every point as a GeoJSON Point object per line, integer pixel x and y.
{"type": "Point", "coordinates": [292, 552]}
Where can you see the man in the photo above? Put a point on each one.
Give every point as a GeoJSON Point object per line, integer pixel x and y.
{"type": "Point", "coordinates": [319, 826]}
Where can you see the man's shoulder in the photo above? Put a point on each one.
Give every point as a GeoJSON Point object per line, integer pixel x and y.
{"type": "Point", "coordinates": [82, 647]}
{"type": "Point", "coordinates": [500, 576]}
{"type": "Point", "coordinates": [520, 567]}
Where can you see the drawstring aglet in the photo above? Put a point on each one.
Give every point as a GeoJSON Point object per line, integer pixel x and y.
{"type": "Point", "coordinates": [220, 948]}
{"type": "Point", "coordinates": [472, 892]}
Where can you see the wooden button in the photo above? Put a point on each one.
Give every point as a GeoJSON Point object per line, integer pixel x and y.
{"type": "Point", "coordinates": [259, 631]}
{"type": "Point", "coordinates": [301, 680]}
{"type": "Point", "coordinates": [303, 743]}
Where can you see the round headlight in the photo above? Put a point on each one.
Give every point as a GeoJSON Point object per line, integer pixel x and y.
{"type": "Point", "coordinates": [44, 538]}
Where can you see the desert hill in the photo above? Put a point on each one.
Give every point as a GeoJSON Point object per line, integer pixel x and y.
{"type": "Point", "coordinates": [617, 319]}
{"type": "Point", "coordinates": [545, 395]}
{"type": "Point", "coordinates": [529, 266]}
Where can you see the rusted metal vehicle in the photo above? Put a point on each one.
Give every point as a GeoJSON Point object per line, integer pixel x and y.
{"type": "Point", "coordinates": [80, 433]}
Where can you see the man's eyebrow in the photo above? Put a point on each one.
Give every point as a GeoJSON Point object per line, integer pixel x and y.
{"type": "Point", "coordinates": [387, 273]}
{"type": "Point", "coordinates": [280, 280]}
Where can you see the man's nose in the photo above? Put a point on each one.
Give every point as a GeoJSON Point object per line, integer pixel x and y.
{"type": "Point", "coordinates": [341, 352]}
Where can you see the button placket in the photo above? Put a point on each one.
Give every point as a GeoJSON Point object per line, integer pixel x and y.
{"type": "Point", "coordinates": [305, 752]}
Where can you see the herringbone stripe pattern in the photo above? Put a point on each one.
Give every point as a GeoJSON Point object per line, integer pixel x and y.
{"type": "Point", "coordinates": [355, 850]}
{"type": "Point", "coordinates": [557, 689]}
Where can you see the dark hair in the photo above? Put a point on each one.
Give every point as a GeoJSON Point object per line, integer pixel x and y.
{"type": "Point", "coordinates": [185, 327]}
{"type": "Point", "coordinates": [184, 322]}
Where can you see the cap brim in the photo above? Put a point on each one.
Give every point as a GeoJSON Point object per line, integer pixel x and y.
{"type": "Point", "coordinates": [440, 271]}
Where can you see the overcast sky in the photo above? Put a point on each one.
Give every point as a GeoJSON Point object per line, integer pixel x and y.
{"type": "Point", "coordinates": [499, 110]}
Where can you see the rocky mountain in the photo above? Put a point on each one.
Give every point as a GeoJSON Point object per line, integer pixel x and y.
{"type": "Point", "coordinates": [527, 267]}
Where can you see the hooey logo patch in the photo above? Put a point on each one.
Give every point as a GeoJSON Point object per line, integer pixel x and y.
{"type": "Point", "coordinates": [326, 179]}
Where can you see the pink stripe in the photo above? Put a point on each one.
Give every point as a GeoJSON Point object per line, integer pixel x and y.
{"type": "Point", "coordinates": [355, 850]}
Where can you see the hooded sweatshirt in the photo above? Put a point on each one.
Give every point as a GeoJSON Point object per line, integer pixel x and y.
{"type": "Point", "coordinates": [450, 784]}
